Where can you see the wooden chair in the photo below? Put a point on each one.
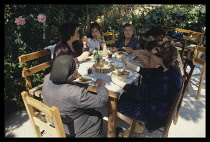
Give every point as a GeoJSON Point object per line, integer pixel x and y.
{"type": "Point", "coordinates": [53, 112]}
{"type": "Point", "coordinates": [129, 120]}
{"type": "Point", "coordinates": [186, 81]}
{"type": "Point", "coordinates": [170, 118]}
{"type": "Point", "coordinates": [108, 34]}
{"type": "Point", "coordinates": [201, 65]}
{"type": "Point", "coordinates": [191, 40]}
{"type": "Point", "coordinates": [29, 70]}
{"type": "Point", "coordinates": [173, 111]}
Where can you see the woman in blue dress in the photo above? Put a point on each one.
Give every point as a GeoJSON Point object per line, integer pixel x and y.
{"type": "Point", "coordinates": [150, 102]}
{"type": "Point", "coordinates": [127, 42]}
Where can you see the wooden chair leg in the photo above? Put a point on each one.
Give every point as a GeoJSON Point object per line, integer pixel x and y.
{"type": "Point", "coordinates": [200, 85]}
{"type": "Point", "coordinates": [132, 128]}
{"type": "Point", "coordinates": [175, 120]}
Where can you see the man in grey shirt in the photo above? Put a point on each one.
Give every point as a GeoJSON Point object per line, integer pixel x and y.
{"type": "Point", "coordinates": [76, 104]}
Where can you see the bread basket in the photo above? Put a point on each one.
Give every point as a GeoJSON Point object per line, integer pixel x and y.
{"type": "Point", "coordinates": [102, 67]}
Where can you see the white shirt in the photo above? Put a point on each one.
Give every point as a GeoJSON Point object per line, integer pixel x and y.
{"type": "Point", "coordinates": [94, 43]}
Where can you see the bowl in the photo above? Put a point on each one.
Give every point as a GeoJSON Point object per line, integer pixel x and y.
{"type": "Point", "coordinates": [102, 67]}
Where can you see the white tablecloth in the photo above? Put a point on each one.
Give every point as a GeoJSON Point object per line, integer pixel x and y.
{"type": "Point", "coordinates": [106, 76]}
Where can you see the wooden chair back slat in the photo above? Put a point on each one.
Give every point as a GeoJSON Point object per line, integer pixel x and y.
{"type": "Point", "coordinates": [190, 38]}
{"type": "Point", "coordinates": [107, 33]}
{"type": "Point", "coordinates": [36, 104]}
{"type": "Point", "coordinates": [185, 31]}
{"type": "Point", "coordinates": [36, 68]}
{"type": "Point", "coordinates": [112, 41]}
{"type": "Point", "coordinates": [45, 126]}
{"type": "Point", "coordinates": [199, 61]}
{"type": "Point", "coordinates": [34, 55]}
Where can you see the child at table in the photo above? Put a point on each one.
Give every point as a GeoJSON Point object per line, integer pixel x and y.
{"type": "Point", "coordinates": [150, 102]}
{"type": "Point", "coordinates": [95, 40]}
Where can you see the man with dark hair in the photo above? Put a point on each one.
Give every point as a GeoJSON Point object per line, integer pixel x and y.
{"type": "Point", "coordinates": [76, 104]}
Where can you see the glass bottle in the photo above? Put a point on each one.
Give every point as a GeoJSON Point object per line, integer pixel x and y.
{"type": "Point", "coordinates": [105, 51]}
{"type": "Point", "coordinates": [96, 56]}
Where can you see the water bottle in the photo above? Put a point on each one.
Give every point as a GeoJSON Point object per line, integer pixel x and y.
{"type": "Point", "coordinates": [105, 51]}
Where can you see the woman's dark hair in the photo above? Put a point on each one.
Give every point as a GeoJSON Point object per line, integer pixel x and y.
{"type": "Point", "coordinates": [129, 25]}
{"type": "Point", "coordinates": [92, 26]}
{"type": "Point", "coordinates": [150, 45]}
{"type": "Point", "coordinates": [155, 31]}
{"type": "Point", "coordinates": [67, 30]}
{"type": "Point", "coordinates": [168, 52]}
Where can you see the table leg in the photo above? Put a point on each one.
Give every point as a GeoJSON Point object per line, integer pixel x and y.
{"type": "Point", "coordinates": [112, 115]}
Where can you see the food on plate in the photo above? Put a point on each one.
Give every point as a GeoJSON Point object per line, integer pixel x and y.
{"type": "Point", "coordinates": [136, 58]}
{"type": "Point", "coordinates": [122, 73]}
{"type": "Point", "coordinates": [89, 59]}
{"type": "Point", "coordinates": [121, 53]}
{"type": "Point", "coordinates": [82, 79]}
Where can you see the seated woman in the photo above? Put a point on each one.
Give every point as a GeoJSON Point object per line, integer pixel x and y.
{"type": "Point", "coordinates": [151, 101]}
{"type": "Point", "coordinates": [76, 104]}
{"type": "Point", "coordinates": [156, 32]}
{"type": "Point", "coordinates": [95, 39]}
{"type": "Point", "coordinates": [69, 43]}
{"type": "Point", "coordinates": [127, 42]}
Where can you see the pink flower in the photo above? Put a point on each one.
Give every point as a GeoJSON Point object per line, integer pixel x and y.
{"type": "Point", "coordinates": [20, 20]}
{"type": "Point", "coordinates": [41, 18]}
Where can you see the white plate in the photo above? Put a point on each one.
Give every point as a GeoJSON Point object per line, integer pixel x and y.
{"type": "Point", "coordinates": [124, 53]}
{"type": "Point", "coordinates": [134, 60]}
{"type": "Point", "coordinates": [86, 77]}
{"type": "Point", "coordinates": [130, 73]}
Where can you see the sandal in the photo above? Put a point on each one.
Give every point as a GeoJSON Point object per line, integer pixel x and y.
{"type": "Point", "coordinates": [138, 129]}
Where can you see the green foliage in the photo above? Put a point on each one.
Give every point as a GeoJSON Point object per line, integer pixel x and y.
{"type": "Point", "coordinates": [34, 36]}
{"type": "Point", "coordinates": [191, 16]}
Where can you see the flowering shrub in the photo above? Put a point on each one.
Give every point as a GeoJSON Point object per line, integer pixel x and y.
{"type": "Point", "coordinates": [41, 18]}
{"type": "Point", "coordinates": [20, 20]}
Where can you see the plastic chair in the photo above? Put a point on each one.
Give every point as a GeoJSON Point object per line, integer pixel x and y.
{"type": "Point", "coordinates": [106, 34]}
{"type": "Point", "coordinates": [31, 104]}
{"type": "Point", "coordinates": [51, 47]}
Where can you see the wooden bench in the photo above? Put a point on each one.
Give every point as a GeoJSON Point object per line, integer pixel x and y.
{"type": "Point", "coordinates": [192, 40]}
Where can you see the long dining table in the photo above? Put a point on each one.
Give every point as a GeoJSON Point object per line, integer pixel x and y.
{"type": "Point", "coordinates": [114, 90]}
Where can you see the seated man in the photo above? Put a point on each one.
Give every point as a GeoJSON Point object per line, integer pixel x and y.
{"type": "Point", "coordinates": [76, 104]}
